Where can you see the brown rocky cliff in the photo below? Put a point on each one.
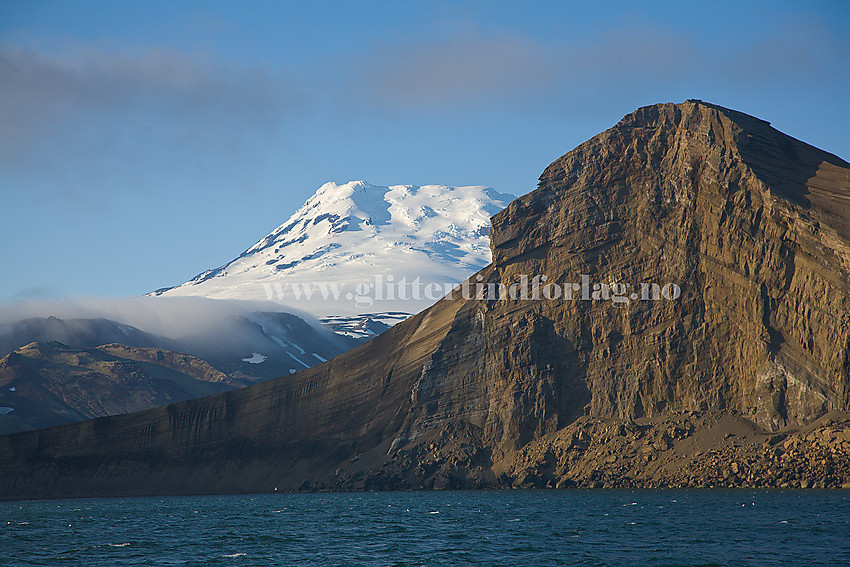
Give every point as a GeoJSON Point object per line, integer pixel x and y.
{"type": "Point", "coordinates": [750, 223]}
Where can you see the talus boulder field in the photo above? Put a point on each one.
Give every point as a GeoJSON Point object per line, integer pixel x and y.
{"type": "Point", "coordinates": [737, 373]}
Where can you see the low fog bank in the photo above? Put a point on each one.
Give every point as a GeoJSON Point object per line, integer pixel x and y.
{"type": "Point", "coordinates": [171, 317]}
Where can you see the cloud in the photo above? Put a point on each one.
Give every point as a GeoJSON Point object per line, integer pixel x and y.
{"type": "Point", "coordinates": [93, 96]}
{"type": "Point", "coordinates": [173, 317]}
{"type": "Point", "coordinates": [459, 69]}
{"type": "Point", "coordinates": [474, 69]}
{"type": "Point", "coordinates": [35, 293]}
{"type": "Point", "coordinates": [803, 51]}
{"type": "Point", "coordinates": [87, 119]}
{"type": "Point", "coordinates": [207, 328]}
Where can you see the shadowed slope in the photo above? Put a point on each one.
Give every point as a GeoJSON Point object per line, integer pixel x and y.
{"type": "Point", "coordinates": [273, 434]}
{"type": "Point", "coordinates": [44, 384]}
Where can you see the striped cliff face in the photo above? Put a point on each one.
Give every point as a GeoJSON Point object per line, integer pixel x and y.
{"type": "Point", "coordinates": [752, 226]}
{"type": "Point", "coordinates": [745, 222]}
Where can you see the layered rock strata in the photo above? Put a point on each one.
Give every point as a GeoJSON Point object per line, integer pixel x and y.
{"type": "Point", "coordinates": [747, 225]}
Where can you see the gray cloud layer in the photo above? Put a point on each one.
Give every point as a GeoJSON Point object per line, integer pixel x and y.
{"type": "Point", "coordinates": [474, 68]}
{"type": "Point", "coordinates": [464, 68]}
{"type": "Point", "coordinates": [156, 93]}
{"type": "Point", "coordinates": [173, 317]}
{"type": "Point", "coordinates": [155, 103]}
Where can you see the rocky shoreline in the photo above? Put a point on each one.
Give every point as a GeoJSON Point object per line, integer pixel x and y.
{"type": "Point", "coordinates": [682, 450]}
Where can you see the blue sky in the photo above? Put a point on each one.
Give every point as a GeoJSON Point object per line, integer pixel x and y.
{"type": "Point", "coordinates": [144, 142]}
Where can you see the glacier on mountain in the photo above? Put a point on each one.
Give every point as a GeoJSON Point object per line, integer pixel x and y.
{"type": "Point", "coordinates": [336, 253]}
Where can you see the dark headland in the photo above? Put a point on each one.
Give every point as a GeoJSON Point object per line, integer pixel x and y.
{"type": "Point", "coordinates": [741, 380]}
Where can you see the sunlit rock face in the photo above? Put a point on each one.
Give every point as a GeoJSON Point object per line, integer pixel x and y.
{"type": "Point", "coordinates": [747, 225]}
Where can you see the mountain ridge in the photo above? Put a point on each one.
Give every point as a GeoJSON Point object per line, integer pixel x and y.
{"type": "Point", "coordinates": [490, 392]}
{"type": "Point", "coordinates": [118, 368]}
{"type": "Point", "coordinates": [48, 383]}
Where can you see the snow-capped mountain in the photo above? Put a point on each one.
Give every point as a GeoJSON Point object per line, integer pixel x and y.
{"type": "Point", "coordinates": [356, 248]}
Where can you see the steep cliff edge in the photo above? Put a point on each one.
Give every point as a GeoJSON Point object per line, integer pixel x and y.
{"type": "Point", "coordinates": [749, 224]}
{"type": "Point", "coordinates": [752, 224]}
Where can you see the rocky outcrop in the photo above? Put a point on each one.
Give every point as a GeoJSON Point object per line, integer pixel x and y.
{"type": "Point", "coordinates": [514, 379]}
{"type": "Point", "coordinates": [45, 384]}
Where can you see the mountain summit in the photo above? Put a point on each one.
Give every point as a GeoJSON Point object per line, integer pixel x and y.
{"type": "Point", "coordinates": [348, 235]}
{"type": "Point", "coordinates": [739, 378]}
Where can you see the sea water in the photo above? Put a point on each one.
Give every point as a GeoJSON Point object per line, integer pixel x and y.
{"type": "Point", "coordinates": [511, 528]}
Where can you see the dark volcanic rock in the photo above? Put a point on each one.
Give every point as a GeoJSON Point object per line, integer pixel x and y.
{"type": "Point", "coordinates": [750, 223]}
{"type": "Point", "coordinates": [45, 384]}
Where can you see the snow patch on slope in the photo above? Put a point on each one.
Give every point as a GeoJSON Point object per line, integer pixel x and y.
{"type": "Point", "coordinates": [255, 358]}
